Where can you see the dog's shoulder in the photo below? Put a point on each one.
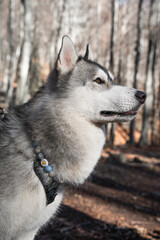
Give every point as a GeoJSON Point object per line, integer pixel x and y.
{"type": "Point", "coordinates": [13, 137]}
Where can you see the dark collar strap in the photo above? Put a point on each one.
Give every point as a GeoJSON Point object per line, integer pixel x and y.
{"type": "Point", "coordinates": [50, 185]}
{"type": "Point", "coordinates": [42, 168]}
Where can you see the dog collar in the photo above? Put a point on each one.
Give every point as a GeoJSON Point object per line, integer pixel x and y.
{"type": "Point", "coordinates": [45, 173]}
{"type": "Point", "coordinates": [42, 169]}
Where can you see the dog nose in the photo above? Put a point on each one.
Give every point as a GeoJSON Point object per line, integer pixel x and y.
{"type": "Point", "coordinates": [141, 96]}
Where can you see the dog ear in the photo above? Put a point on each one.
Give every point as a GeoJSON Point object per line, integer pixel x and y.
{"type": "Point", "coordinates": [88, 55]}
{"type": "Point", "coordinates": [67, 56]}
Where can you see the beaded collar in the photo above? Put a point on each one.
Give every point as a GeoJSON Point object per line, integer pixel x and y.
{"type": "Point", "coordinates": [45, 173]}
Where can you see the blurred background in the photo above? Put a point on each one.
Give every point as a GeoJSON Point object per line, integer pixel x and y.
{"type": "Point", "coordinates": [122, 200]}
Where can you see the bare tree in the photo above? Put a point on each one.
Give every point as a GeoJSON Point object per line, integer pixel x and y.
{"type": "Point", "coordinates": [61, 12]}
{"type": "Point", "coordinates": [15, 58]}
{"type": "Point", "coordinates": [0, 34]}
{"type": "Point", "coordinates": [156, 86]}
{"type": "Point", "coordinates": [9, 58]}
{"type": "Point", "coordinates": [53, 33]}
{"type": "Point", "coordinates": [150, 66]}
{"type": "Point", "coordinates": [22, 87]}
{"type": "Point", "coordinates": [137, 60]}
{"type": "Point", "coordinates": [114, 25]}
{"type": "Point", "coordinates": [157, 116]}
{"type": "Point", "coordinates": [99, 6]}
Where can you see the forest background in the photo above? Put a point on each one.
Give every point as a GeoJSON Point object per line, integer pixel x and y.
{"type": "Point", "coordinates": [124, 36]}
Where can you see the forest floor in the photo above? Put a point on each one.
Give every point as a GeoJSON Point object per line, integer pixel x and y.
{"type": "Point", "coordinates": [121, 200]}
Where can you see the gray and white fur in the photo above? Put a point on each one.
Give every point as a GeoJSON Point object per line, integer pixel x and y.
{"type": "Point", "coordinates": [66, 117]}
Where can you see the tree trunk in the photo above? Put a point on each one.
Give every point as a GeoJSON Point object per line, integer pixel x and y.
{"type": "Point", "coordinates": [149, 77]}
{"type": "Point", "coordinates": [52, 46]}
{"type": "Point", "coordinates": [119, 67]}
{"type": "Point", "coordinates": [157, 116]}
{"type": "Point", "coordinates": [15, 53]}
{"type": "Point", "coordinates": [6, 74]}
{"type": "Point", "coordinates": [22, 87]}
{"type": "Point", "coordinates": [137, 60]}
{"type": "Point", "coordinates": [13, 76]}
{"type": "Point", "coordinates": [111, 62]}
{"type": "Point", "coordinates": [9, 59]}
{"type": "Point", "coordinates": [0, 37]}
{"type": "Point", "coordinates": [156, 97]}
{"type": "Point", "coordinates": [153, 120]}
{"type": "Point", "coordinates": [99, 3]}
{"type": "Point", "coordinates": [61, 12]}
{"type": "Point", "coordinates": [115, 7]}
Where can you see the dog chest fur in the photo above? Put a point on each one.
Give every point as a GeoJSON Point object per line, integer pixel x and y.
{"type": "Point", "coordinates": [68, 128]}
{"type": "Point", "coordinates": [64, 128]}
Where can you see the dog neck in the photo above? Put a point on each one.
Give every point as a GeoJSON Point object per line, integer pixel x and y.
{"type": "Point", "coordinates": [71, 144]}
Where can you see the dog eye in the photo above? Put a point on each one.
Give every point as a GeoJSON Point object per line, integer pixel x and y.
{"type": "Point", "coordinates": [99, 80]}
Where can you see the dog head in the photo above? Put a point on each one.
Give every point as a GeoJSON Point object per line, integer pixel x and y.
{"type": "Point", "coordinates": [88, 89]}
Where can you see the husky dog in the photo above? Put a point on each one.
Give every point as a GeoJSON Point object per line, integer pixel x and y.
{"type": "Point", "coordinates": [65, 119]}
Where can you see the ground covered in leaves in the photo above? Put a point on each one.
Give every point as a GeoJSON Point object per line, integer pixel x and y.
{"type": "Point", "coordinates": [120, 201]}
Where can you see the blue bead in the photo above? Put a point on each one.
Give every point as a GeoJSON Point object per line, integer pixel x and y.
{"type": "Point", "coordinates": [48, 169]}
{"type": "Point", "coordinates": [35, 144]}
{"type": "Point", "coordinates": [40, 156]}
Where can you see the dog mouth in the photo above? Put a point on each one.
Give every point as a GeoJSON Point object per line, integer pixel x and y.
{"type": "Point", "coordinates": [111, 113]}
